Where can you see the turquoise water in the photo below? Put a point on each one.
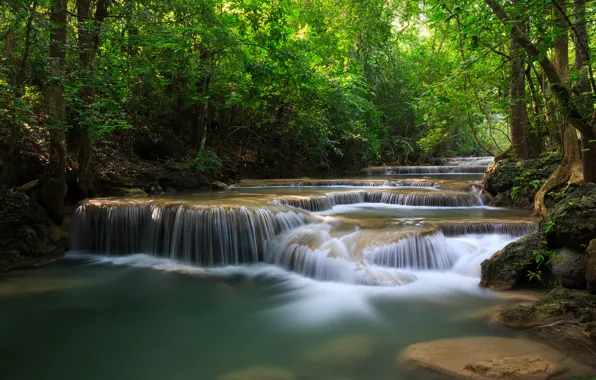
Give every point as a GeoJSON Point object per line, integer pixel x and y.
{"type": "Point", "coordinates": [144, 318]}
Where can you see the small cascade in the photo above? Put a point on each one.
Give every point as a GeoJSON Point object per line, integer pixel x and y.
{"type": "Point", "coordinates": [442, 199]}
{"type": "Point", "coordinates": [468, 169]}
{"type": "Point", "coordinates": [417, 252]}
{"type": "Point", "coordinates": [335, 183]}
{"type": "Point", "coordinates": [478, 228]}
{"type": "Point", "coordinates": [469, 161]}
{"type": "Point", "coordinates": [311, 251]}
{"type": "Point", "coordinates": [204, 235]}
{"type": "Point", "coordinates": [428, 199]}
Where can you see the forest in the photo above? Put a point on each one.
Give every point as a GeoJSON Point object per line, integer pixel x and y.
{"type": "Point", "coordinates": [282, 88]}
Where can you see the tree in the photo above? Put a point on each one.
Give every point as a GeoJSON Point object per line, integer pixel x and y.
{"type": "Point", "coordinates": [517, 94]}
{"type": "Point", "coordinates": [53, 188]}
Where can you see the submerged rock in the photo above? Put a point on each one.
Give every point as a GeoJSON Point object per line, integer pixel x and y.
{"type": "Point", "coordinates": [569, 269]}
{"type": "Point", "coordinates": [217, 185]}
{"type": "Point", "coordinates": [352, 349]}
{"type": "Point", "coordinates": [508, 268]}
{"type": "Point", "coordinates": [490, 358]}
{"type": "Point", "coordinates": [259, 373]}
{"type": "Point", "coordinates": [27, 236]}
{"type": "Point", "coordinates": [572, 221]}
{"type": "Point", "coordinates": [591, 267]}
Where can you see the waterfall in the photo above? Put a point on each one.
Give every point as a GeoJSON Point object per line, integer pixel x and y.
{"type": "Point", "coordinates": [388, 170]}
{"type": "Point", "coordinates": [338, 183]}
{"type": "Point", "coordinates": [418, 252]}
{"type": "Point", "coordinates": [204, 235]}
{"type": "Point", "coordinates": [513, 229]}
{"type": "Point", "coordinates": [429, 199]}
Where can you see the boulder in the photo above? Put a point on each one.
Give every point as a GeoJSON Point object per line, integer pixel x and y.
{"type": "Point", "coordinates": [569, 268]}
{"type": "Point", "coordinates": [572, 221]}
{"type": "Point", "coordinates": [508, 268]}
{"type": "Point", "coordinates": [217, 185]}
{"type": "Point", "coordinates": [154, 188]}
{"type": "Point", "coordinates": [560, 304]}
{"type": "Point", "coordinates": [27, 236]}
{"type": "Point", "coordinates": [127, 192]}
{"type": "Point", "coordinates": [591, 267]}
{"type": "Point", "coordinates": [490, 358]}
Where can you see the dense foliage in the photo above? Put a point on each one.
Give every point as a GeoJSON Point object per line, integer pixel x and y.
{"type": "Point", "coordinates": [311, 84]}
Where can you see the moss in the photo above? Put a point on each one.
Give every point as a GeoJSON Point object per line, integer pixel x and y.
{"type": "Point", "coordinates": [514, 183]}
{"type": "Point", "coordinates": [559, 304]}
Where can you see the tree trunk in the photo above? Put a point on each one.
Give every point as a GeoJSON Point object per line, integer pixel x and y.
{"type": "Point", "coordinates": [53, 188]}
{"type": "Point", "coordinates": [582, 87]}
{"type": "Point", "coordinates": [517, 94]}
{"type": "Point", "coordinates": [569, 169]}
{"type": "Point", "coordinates": [86, 60]}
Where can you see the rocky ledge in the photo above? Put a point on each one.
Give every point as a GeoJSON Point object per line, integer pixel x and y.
{"type": "Point", "coordinates": [28, 238]}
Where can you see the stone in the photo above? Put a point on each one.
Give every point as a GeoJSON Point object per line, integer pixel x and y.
{"type": "Point", "coordinates": [126, 192]}
{"type": "Point", "coordinates": [559, 304]}
{"type": "Point", "coordinates": [508, 268]}
{"type": "Point", "coordinates": [259, 373]}
{"type": "Point", "coordinates": [591, 267]}
{"type": "Point", "coordinates": [28, 237]}
{"type": "Point", "coordinates": [569, 268]}
{"type": "Point", "coordinates": [154, 188]}
{"type": "Point", "coordinates": [217, 185]}
{"type": "Point", "coordinates": [572, 221]}
{"type": "Point", "coordinates": [351, 349]}
{"type": "Point", "coordinates": [490, 358]}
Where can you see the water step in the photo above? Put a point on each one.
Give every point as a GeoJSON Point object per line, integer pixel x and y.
{"type": "Point", "coordinates": [430, 199]}
{"type": "Point", "coordinates": [489, 227]}
{"type": "Point", "coordinates": [196, 234]}
{"type": "Point", "coordinates": [452, 169]}
{"type": "Point", "coordinates": [335, 182]}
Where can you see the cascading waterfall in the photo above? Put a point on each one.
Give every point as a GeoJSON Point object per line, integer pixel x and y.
{"type": "Point", "coordinates": [418, 252]}
{"type": "Point", "coordinates": [429, 199]}
{"type": "Point", "coordinates": [204, 235]}
{"type": "Point", "coordinates": [477, 228]}
{"type": "Point", "coordinates": [411, 170]}
{"type": "Point", "coordinates": [340, 183]}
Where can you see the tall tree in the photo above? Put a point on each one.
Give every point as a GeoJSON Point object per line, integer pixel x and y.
{"type": "Point", "coordinates": [517, 93]}
{"type": "Point", "coordinates": [53, 188]}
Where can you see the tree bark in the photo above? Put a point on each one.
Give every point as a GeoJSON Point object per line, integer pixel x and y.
{"type": "Point", "coordinates": [569, 169]}
{"type": "Point", "coordinates": [53, 188]}
{"type": "Point", "coordinates": [517, 94]}
{"type": "Point", "coordinates": [582, 87]}
{"type": "Point", "coordinates": [86, 29]}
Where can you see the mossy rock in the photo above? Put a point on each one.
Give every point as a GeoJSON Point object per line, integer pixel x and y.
{"type": "Point", "coordinates": [27, 235]}
{"type": "Point", "coordinates": [508, 268]}
{"type": "Point", "coordinates": [591, 267]}
{"type": "Point", "coordinates": [514, 183]}
{"type": "Point", "coordinates": [572, 221]}
{"type": "Point", "coordinates": [559, 304]}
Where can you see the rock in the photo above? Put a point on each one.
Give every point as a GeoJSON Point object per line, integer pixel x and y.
{"type": "Point", "coordinates": [27, 236]}
{"type": "Point", "coordinates": [217, 185]}
{"type": "Point", "coordinates": [572, 221]}
{"type": "Point", "coordinates": [259, 373]}
{"type": "Point", "coordinates": [508, 268]}
{"type": "Point", "coordinates": [351, 349]}
{"type": "Point", "coordinates": [490, 358]}
{"type": "Point", "coordinates": [558, 305]}
{"type": "Point", "coordinates": [569, 268]}
{"type": "Point", "coordinates": [127, 192]}
{"type": "Point", "coordinates": [514, 183]}
{"type": "Point", "coordinates": [155, 189]}
{"type": "Point", "coordinates": [591, 266]}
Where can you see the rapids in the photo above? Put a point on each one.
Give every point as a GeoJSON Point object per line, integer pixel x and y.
{"type": "Point", "coordinates": [302, 278]}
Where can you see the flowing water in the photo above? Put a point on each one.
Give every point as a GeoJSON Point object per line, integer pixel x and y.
{"type": "Point", "coordinates": [291, 279]}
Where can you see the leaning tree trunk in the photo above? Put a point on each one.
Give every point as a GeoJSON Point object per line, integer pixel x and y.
{"type": "Point", "coordinates": [517, 95]}
{"type": "Point", "coordinates": [53, 188]}
{"type": "Point", "coordinates": [580, 39]}
{"type": "Point", "coordinates": [569, 169]}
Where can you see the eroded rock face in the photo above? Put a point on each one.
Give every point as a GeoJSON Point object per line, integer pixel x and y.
{"type": "Point", "coordinates": [490, 358]}
{"type": "Point", "coordinates": [27, 235]}
{"type": "Point", "coordinates": [569, 269]}
{"type": "Point", "coordinates": [591, 267]}
{"type": "Point", "coordinates": [508, 268]}
{"type": "Point", "coordinates": [572, 221]}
